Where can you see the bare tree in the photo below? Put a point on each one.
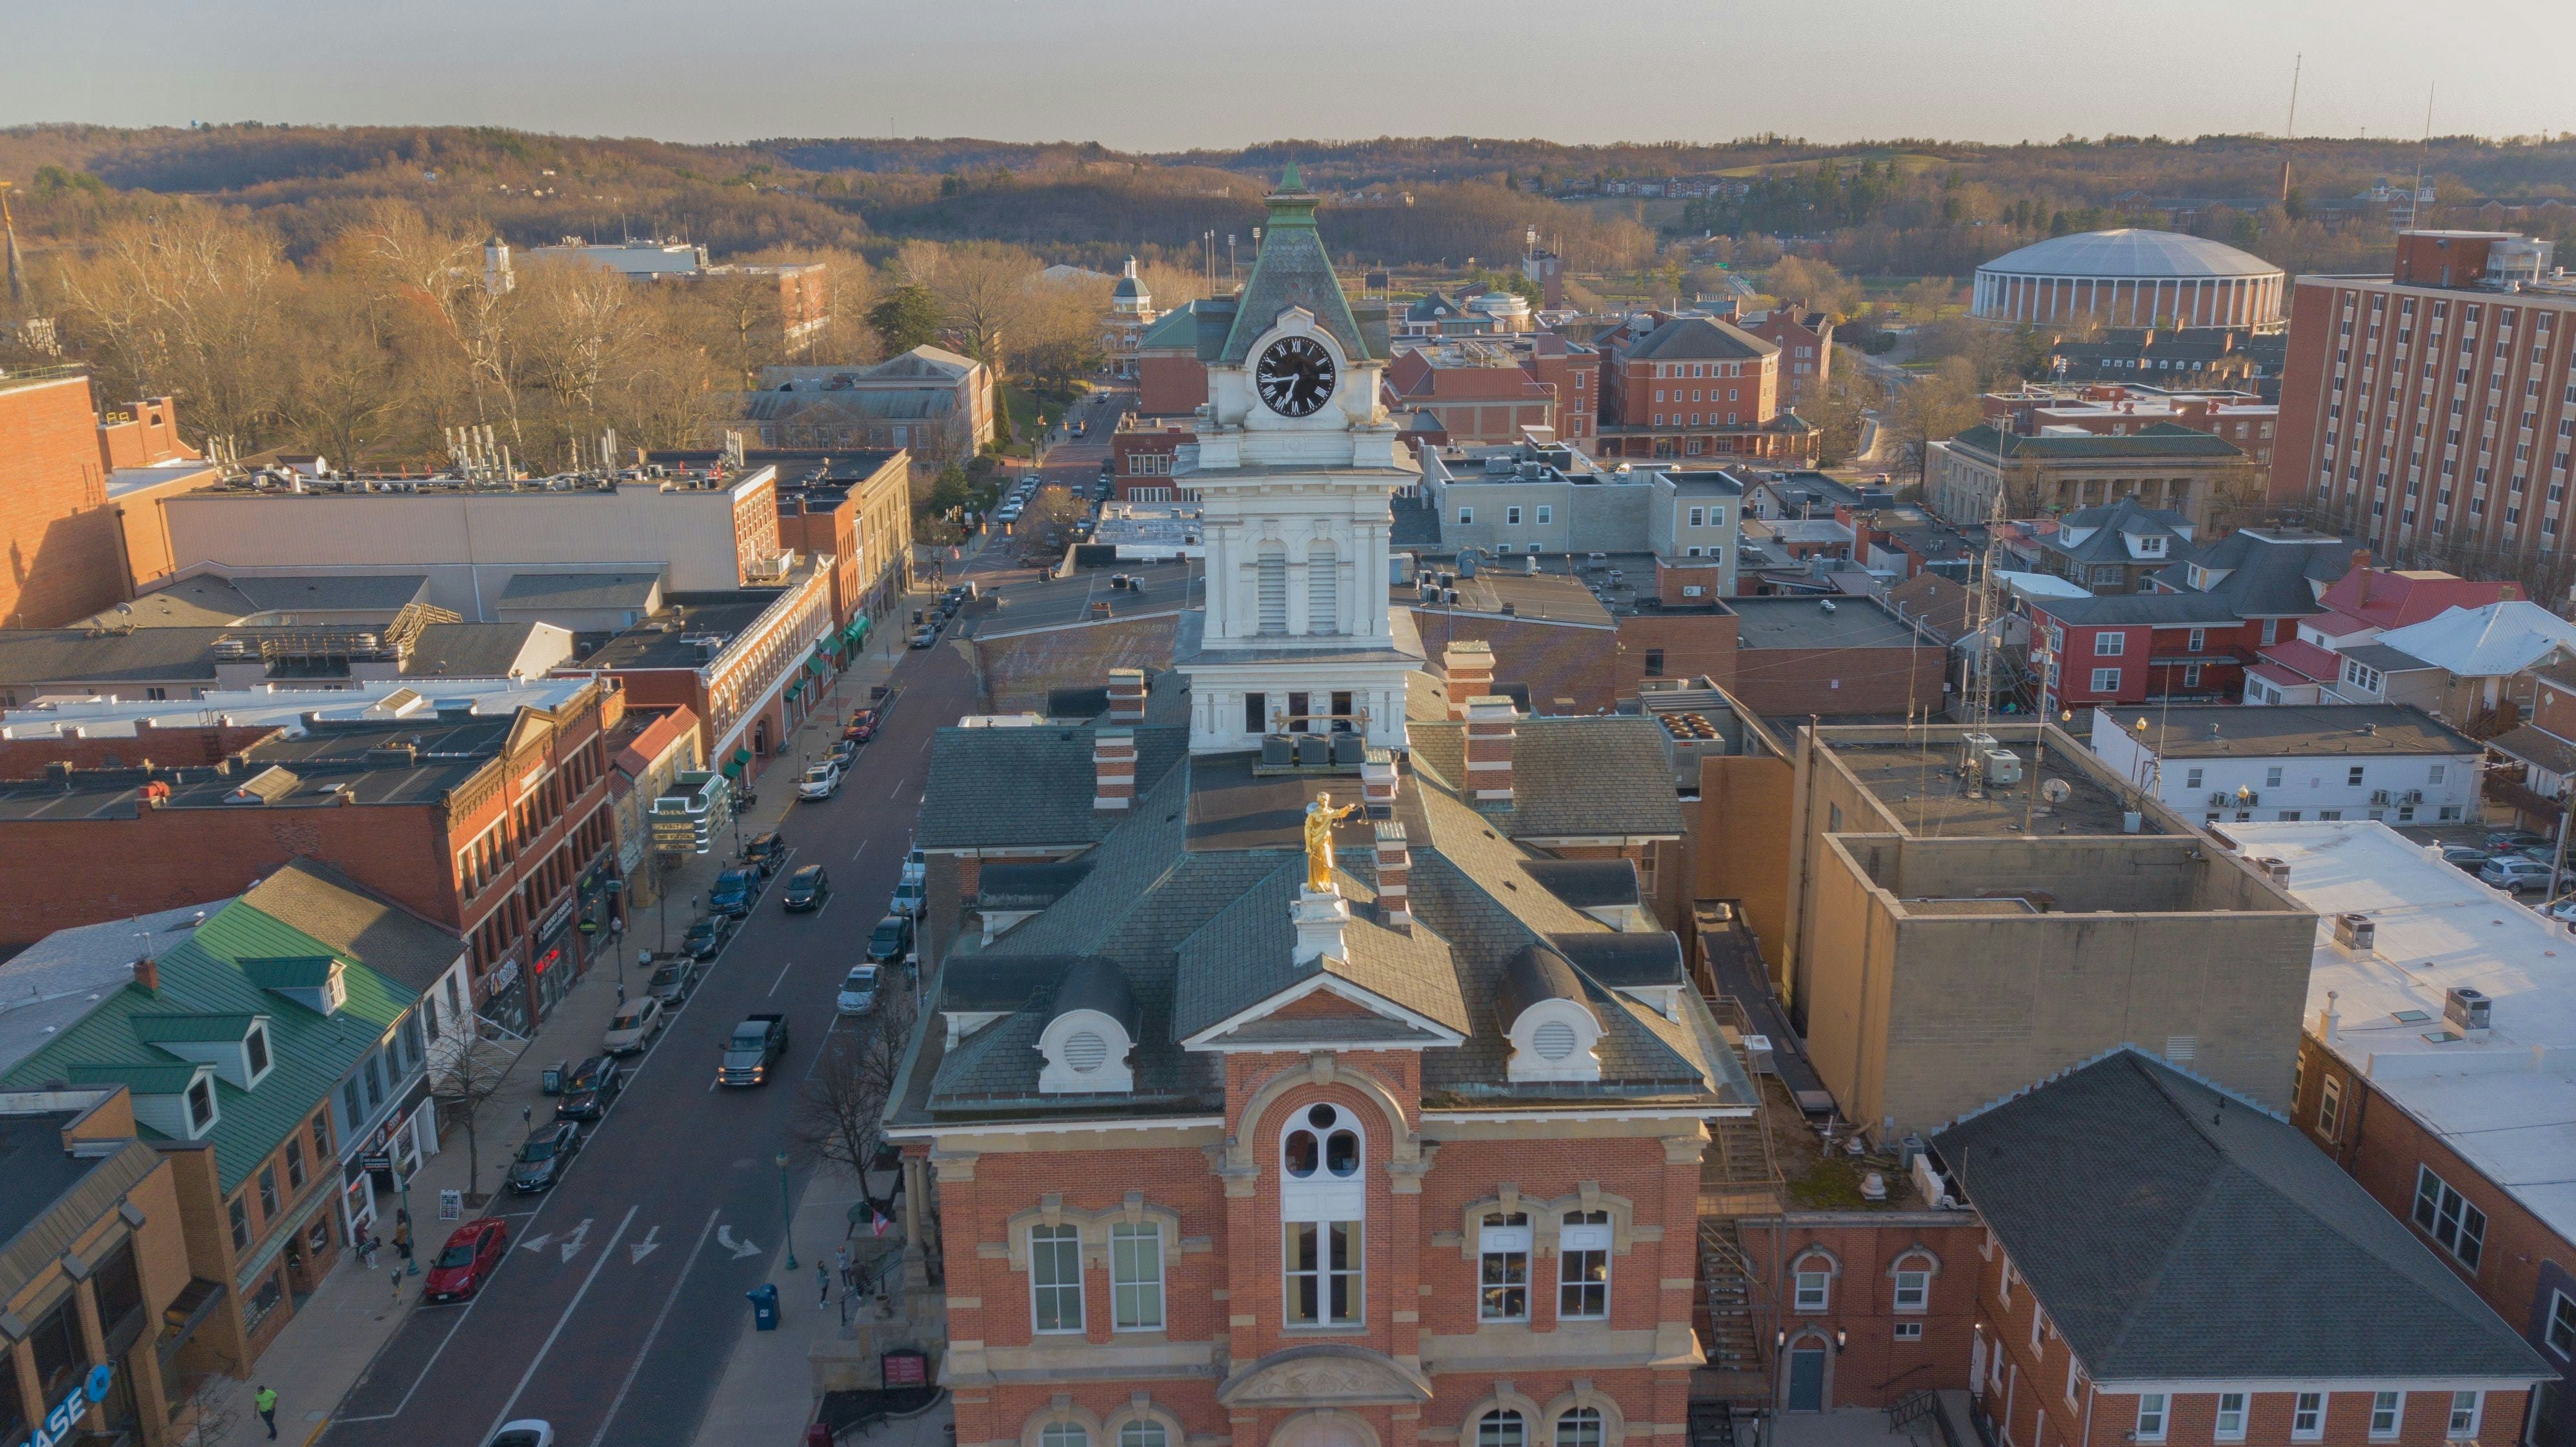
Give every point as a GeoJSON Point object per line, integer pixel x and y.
{"type": "Point", "coordinates": [841, 1116]}
{"type": "Point", "coordinates": [188, 302]}
{"type": "Point", "coordinates": [464, 1072]}
{"type": "Point", "coordinates": [987, 290]}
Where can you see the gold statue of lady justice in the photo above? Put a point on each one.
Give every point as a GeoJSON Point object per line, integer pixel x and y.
{"type": "Point", "coordinates": [1321, 816]}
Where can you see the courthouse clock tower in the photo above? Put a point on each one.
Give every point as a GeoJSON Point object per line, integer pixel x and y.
{"type": "Point", "coordinates": [1297, 459]}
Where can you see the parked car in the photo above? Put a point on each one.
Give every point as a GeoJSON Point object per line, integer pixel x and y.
{"type": "Point", "coordinates": [594, 1083]}
{"type": "Point", "coordinates": [755, 1042]}
{"type": "Point", "coordinates": [466, 1261]}
{"type": "Point", "coordinates": [821, 782]}
{"type": "Point", "coordinates": [543, 1156]}
{"type": "Point", "coordinates": [733, 892]}
{"type": "Point", "coordinates": [858, 991]}
{"type": "Point", "coordinates": [2564, 911]}
{"type": "Point", "coordinates": [2504, 840]}
{"type": "Point", "coordinates": [844, 752]}
{"type": "Point", "coordinates": [706, 938]}
{"type": "Point", "coordinates": [909, 901]}
{"type": "Point", "coordinates": [916, 867]}
{"type": "Point", "coordinates": [863, 725]}
{"type": "Point", "coordinates": [671, 983]}
{"type": "Point", "coordinates": [525, 1432]}
{"type": "Point", "coordinates": [633, 1026]}
{"type": "Point", "coordinates": [891, 940]}
{"type": "Point", "coordinates": [807, 888]}
{"type": "Point", "coordinates": [924, 636]}
{"type": "Point", "coordinates": [2465, 857]}
{"type": "Point", "coordinates": [769, 851]}
{"type": "Point", "coordinates": [2515, 872]}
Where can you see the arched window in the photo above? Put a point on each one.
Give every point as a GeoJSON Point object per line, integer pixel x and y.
{"type": "Point", "coordinates": [1064, 1434]}
{"type": "Point", "coordinates": [1323, 582]}
{"type": "Point", "coordinates": [1579, 1428]}
{"type": "Point", "coordinates": [1270, 578]}
{"type": "Point", "coordinates": [1323, 1199]}
{"type": "Point", "coordinates": [1502, 1429]}
{"type": "Point", "coordinates": [1143, 1432]}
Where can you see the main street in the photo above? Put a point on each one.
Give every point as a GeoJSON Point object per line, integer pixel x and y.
{"type": "Point", "coordinates": [625, 1285]}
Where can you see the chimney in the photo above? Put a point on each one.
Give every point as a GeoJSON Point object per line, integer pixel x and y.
{"type": "Point", "coordinates": [1394, 861]}
{"type": "Point", "coordinates": [1377, 783]}
{"type": "Point", "coordinates": [147, 974]}
{"type": "Point", "coordinates": [1113, 768]}
{"type": "Point", "coordinates": [1489, 748]}
{"type": "Point", "coordinates": [1127, 697]}
{"type": "Point", "coordinates": [1470, 668]}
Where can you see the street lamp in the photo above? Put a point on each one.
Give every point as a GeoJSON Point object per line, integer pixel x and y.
{"type": "Point", "coordinates": [786, 1212]}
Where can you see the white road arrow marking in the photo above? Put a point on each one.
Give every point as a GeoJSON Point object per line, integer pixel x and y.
{"type": "Point", "coordinates": [646, 1247]}
{"type": "Point", "coordinates": [740, 1249]}
{"type": "Point", "coordinates": [580, 1234]}
{"type": "Point", "coordinates": [536, 1242]}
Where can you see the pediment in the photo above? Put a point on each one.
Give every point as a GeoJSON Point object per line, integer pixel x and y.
{"type": "Point", "coordinates": [1325, 1375]}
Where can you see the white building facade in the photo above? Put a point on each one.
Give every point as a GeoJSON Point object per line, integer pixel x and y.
{"type": "Point", "coordinates": [2290, 764]}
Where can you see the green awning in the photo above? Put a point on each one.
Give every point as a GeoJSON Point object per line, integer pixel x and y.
{"type": "Point", "coordinates": [732, 768]}
{"type": "Point", "coordinates": [816, 665]}
{"type": "Point", "coordinates": [795, 688]}
{"type": "Point", "coordinates": [742, 756]}
{"type": "Point", "coordinates": [857, 630]}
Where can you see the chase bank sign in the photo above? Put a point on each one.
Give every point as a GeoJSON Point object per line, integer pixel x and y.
{"type": "Point", "coordinates": [66, 1414]}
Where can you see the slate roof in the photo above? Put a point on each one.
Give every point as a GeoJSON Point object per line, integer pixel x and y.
{"type": "Point", "coordinates": [2174, 1234]}
{"type": "Point", "coordinates": [2164, 610]}
{"type": "Point", "coordinates": [2266, 574]}
{"type": "Point", "coordinates": [2112, 527]}
{"type": "Point", "coordinates": [1020, 787]}
{"type": "Point", "coordinates": [2158, 439]}
{"type": "Point", "coordinates": [1600, 775]}
{"type": "Point", "coordinates": [1691, 339]}
{"type": "Point", "coordinates": [212, 972]}
{"type": "Point", "coordinates": [1292, 270]}
{"type": "Point", "coordinates": [357, 923]}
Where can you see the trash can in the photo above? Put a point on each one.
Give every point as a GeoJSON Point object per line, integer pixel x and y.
{"type": "Point", "coordinates": [817, 1435]}
{"type": "Point", "coordinates": [764, 1306]}
{"type": "Point", "coordinates": [551, 1079]}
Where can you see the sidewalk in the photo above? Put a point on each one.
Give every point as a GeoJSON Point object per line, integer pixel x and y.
{"type": "Point", "coordinates": [335, 1333]}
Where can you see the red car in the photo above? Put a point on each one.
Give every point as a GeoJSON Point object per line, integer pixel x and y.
{"type": "Point", "coordinates": [863, 726]}
{"type": "Point", "coordinates": [471, 1253]}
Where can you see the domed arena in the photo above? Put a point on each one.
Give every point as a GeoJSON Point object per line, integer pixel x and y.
{"type": "Point", "coordinates": [2131, 278]}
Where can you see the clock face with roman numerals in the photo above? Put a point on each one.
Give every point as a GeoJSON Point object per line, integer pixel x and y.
{"type": "Point", "coordinates": [1296, 376]}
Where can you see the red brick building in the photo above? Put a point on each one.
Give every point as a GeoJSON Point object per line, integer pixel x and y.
{"type": "Point", "coordinates": [66, 558]}
{"type": "Point", "coordinates": [1141, 456]}
{"type": "Point", "coordinates": [1694, 386]}
{"type": "Point", "coordinates": [2127, 648]}
{"type": "Point", "coordinates": [1806, 342]}
{"type": "Point", "coordinates": [2432, 412]}
{"type": "Point", "coordinates": [496, 827]}
{"type": "Point", "coordinates": [1171, 381]}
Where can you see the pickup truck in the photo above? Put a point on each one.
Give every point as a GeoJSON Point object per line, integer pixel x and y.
{"type": "Point", "coordinates": [756, 1042]}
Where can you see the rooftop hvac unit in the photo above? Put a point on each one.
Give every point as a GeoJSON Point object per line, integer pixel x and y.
{"type": "Point", "coordinates": [2355, 932]}
{"type": "Point", "coordinates": [2411, 796]}
{"type": "Point", "coordinates": [2467, 1010]}
{"type": "Point", "coordinates": [2003, 766]}
{"type": "Point", "coordinates": [2278, 872]}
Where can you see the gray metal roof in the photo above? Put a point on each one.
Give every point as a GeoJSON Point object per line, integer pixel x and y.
{"type": "Point", "coordinates": [55, 981]}
{"type": "Point", "coordinates": [580, 590]}
{"type": "Point", "coordinates": [2129, 251]}
{"type": "Point", "coordinates": [1022, 787]}
{"type": "Point", "coordinates": [1594, 776]}
{"type": "Point", "coordinates": [357, 922]}
{"type": "Point", "coordinates": [2176, 1234]}
{"type": "Point", "coordinates": [2266, 574]}
{"type": "Point", "coordinates": [1292, 270]}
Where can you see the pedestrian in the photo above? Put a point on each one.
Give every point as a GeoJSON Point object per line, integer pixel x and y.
{"type": "Point", "coordinates": [841, 1264]}
{"type": "Point", "coordinates": [266, 1401]}
{"type": "Point", "coordinates": [367, 1252]}
{"type": "Point", "coordinates": [822, 1286]}
{"type": "Point", "coordinates": [402, 1236]}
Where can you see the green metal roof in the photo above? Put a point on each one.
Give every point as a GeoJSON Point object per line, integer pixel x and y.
{"type": "Point", "coordinates": [211, 974]}
{"type": "Point", "coordinates": [178, 1028]}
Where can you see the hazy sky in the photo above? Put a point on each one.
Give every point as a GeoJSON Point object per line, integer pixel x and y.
{"type": "Point", "coordinates": [1168, 74]}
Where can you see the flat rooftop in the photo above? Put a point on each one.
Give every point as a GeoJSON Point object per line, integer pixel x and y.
{"type": "Point", "coordinates": [1815, 623]}
{"type": "Point", "coordinates": [1058, 602]}
{"type": "Point", "coordinates": [667, 638]}
{"type": "Point", "coordinates": [35, 1170]}
{"type": "Point", "coordinates": [382, 700]}
{"type": "Point", "coordinates": [1918, 782]}
{"type": "Point", "coordinates": [2502, 1103]}
{"type": "Point", "coordinates": [2231, 731]}
{"type": "Point", "coordinates": [405, 762]}
{"type": "Point", "coordinates": [629, 481]}
{"type": "Point", "coordinates": [1496, 589]}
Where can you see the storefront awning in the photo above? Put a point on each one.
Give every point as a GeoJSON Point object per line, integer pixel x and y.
{"type": "Point", "coordinates": [742, 756]}
{"type": "Point", "coordinates": [857, 631]}
{"type": "Point", "coordinates": [815, 665]}
{"type": "Point", "coordinates": [795, 688]}
{"type": "Point", "coordinates": [733, 767]}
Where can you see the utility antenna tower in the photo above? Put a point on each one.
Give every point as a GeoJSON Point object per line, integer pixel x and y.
{"type": "Point", "coordinates": [2291, 131]}
{"type": "Point", "coordinates": [1984, 626]}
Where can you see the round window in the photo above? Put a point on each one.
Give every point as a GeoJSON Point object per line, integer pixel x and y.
{"type": "Point", "coordinates": [1084, 1051]}
{"type": "Point", "coordinates": [1554, 1040]}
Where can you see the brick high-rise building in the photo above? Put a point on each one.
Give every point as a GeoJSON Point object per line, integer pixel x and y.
{"type": "Point", "coordinates": [2432, 412]}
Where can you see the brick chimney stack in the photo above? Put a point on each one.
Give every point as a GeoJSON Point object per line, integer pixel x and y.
{"type": "Point", "coordinates": [1126, 697]}
{"type": "Point", "coordinates": [1378, 783]}
{"type": "Point", "coordinates": [1394, 863]}
{"type": "Point", "coordinates": [147, 974]}
{"type": "Point", "coordinates": [1489, 748]}
{"type": "Point", "coordinates": [1113, 768]}
{"type": "Point", "coordinates": [1470, 668]}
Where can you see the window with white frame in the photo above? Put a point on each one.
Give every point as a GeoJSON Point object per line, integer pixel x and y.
{"type": "Point", "coordinates": [2230, 1423]}
{"type": "Point", "coordinates": [1055, 1279]}
{"type": "Point", "coordinates": [2110, 645]}
{"type": "Point", "coordinates": [1583, 1266]}
{"type": "Point", "coordinates": [2151, 1416]}
{"type": "Point", "coordinates": [1064, 1434]}
{"type": "Point", "coordinates": [1466, 515]}
{"type": "Point", "coordinates": [1909, 1331]}
{"type": "Point", "coordinates": [2106, 680]}
{"type": "Point", "coordinates": [1545, 512]}
{"type": "Point", "coordinates": [1580, 1427]}
{"type": "Point", "coordinates": [2436, 775]}
{"type": "Point", "coordinates": [1143, 1432]}
{"type": "Point", "coordinates": [2561, 1333]}
{"type": "Point", "coordinates": [2465, 1410]}
{"type": "Point", "coordinates": [1136, 1276]}
{"type": "Point", "coordinates": [2307, 1416]}
{"type": "Point", "coordinates": [2074, 1379]}
{"type": "Point", "coordinates": [1815, 1285]}
{"type": "Point", "coordinates": [2447, 1217]}
{"type": "Point", "coordinates": [1512, 516]}
{"type": "Point", "coordinates": [2330, 1108]}
{"type": "Point", "coordinates": [1322, 1202]}
{"type": "Point", "coordinates": [2272, 777]}
{"type": "Point", "coordinates": [1502, 1267]}
{"type": "Point", "coordinates": [2191, 778]}
{"type": "Point", "coordinates": [1698, 516]}
{"type": "Point", "coordinates": [1913, 1289]}
{"type": "Point", "coordinates": [2387, 1414]}
{"type": "Point", "coordinates": [1502, 1429]}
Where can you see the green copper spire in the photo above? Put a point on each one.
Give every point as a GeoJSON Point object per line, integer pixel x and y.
{"type": "Point", "coordinates": [1289, 180]}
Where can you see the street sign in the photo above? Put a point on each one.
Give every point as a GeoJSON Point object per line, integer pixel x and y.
{"type": "Point", "coordinates": [376, 1161]}
{"type": "Point", "coordinates": [451, 1204]}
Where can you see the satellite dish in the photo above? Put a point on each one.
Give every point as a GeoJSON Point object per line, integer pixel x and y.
{"type": "Point", "coordinates": [2056, 791]}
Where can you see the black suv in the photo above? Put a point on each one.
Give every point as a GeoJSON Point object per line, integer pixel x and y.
{"type": "Point", "coordinates": [807, 888]}
{"type": "Point", "coordinates": [891, 941]}
{"type": "Point", "coordinates": [707, 936]}
{"type": "Point", "coordinates": [592, 1087]}
{"type": "Point", "coordinates": [769, 851]}
{"type": "Point", "coordinates": [543, 1156]}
